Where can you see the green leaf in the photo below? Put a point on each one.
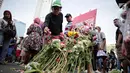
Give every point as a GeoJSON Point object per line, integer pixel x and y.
{"type": "Point", "coordinates": [30, 71]}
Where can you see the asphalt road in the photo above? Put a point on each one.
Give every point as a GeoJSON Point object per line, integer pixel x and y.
{"type": "Point", "coordinates": [11, 68]}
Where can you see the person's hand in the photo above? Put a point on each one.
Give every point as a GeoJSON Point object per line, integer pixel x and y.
{"type": "Point", "coordinates": [61, 36]}
{"type": "Point", "coordinates": [61, 33]}
{"type": "Point", "coordinates": [46, 29]}
{"type": "Point", "coordinates": [10, 22]}
{"type": "Point", "coordinates": [121, 64]}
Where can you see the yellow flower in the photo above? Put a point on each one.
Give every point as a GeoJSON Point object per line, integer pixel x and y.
{"type": "Point", "coordinates": [75, 33]}
{"type": "Point", "coordinates": [72, 33]}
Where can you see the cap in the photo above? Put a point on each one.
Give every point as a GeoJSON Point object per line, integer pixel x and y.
{"type": "Point", "coordinates": [57, 3]}
{"type": "Point", "coordinates": [67, 15]}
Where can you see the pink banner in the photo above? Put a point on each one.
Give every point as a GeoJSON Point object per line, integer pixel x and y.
{"type": "Point", "coordinates": [89, 18]}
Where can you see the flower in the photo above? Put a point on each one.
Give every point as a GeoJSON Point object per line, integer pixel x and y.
{"type": "Point", "coordinates": [62, 44]}
{"type": "Point", "coordinates": [58, 60]}
{"type": "Point", "coordinates": [76, 35]}
{"type": "Point", "coordinates": [72, 33]}
{"type": "Point", "coordinates": [94, 38]}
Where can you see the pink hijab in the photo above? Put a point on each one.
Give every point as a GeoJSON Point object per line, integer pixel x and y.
{"type": "Point", "coordinates": [37, 22]}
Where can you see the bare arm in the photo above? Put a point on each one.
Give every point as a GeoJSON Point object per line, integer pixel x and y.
{"type": "Point", "coordinates": [119, 38]}
{"type": "Point", "coordinates": [103, 44]}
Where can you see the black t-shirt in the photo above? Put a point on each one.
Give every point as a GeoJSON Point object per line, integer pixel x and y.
{"type": "Point", "coordinates": [54, 23]}
{"type": "Point", "coordinates": [117, 35]}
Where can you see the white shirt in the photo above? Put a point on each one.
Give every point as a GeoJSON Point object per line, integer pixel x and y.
{"type": "Point", "coordinates": [101, 53]}
{"type": "Point", "coordinates": [68, 27]}
{"type": "Point", "coordinates": [100, 36]}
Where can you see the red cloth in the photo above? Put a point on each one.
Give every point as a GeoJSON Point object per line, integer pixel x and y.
{"type": "Point", "coordinates": [18, 53]}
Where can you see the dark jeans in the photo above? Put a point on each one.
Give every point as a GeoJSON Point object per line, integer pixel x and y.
{"type": "Point", "coordinates": [1, 41]}
{"type": "Point", "coordinates": [94, 59]}
{"type": "Point", "coordinates": [4, 49]}
{"type": "Point", "coordinates": [102, 62]}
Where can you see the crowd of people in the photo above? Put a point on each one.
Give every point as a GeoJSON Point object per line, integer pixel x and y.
{"type": "Point", "coordinates": [23, 50]}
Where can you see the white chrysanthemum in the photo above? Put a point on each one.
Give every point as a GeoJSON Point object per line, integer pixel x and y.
{"type": "Point", "coordinates": [56, 40]}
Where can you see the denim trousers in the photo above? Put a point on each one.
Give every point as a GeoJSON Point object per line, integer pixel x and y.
{"type": "Point", "coordinates": [100, 61]}
{"type": "Point", "coordinates": [4, 48]}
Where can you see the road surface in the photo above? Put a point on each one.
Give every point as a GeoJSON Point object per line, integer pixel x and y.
{"type": "Point", "coordinates": [11, 68]}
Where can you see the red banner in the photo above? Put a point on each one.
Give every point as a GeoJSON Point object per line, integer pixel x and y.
{"type": "Point", "coordinates": [89, 18]}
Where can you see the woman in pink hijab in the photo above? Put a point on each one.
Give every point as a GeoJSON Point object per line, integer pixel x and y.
{"type": "Point", "coordinates": [33, 41]}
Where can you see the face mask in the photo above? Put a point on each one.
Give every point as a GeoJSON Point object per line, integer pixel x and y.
{"type": "Point", "coordinates": [96, 30]}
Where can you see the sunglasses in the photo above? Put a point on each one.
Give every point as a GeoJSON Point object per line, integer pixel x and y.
{"type": "Point", "coordinates": [57, 8]}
